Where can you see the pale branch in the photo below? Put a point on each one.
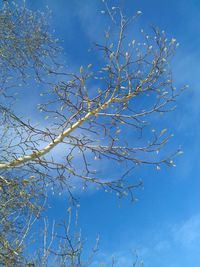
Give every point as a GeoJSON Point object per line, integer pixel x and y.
{"type": "Point", "coordinates": [63, 135]}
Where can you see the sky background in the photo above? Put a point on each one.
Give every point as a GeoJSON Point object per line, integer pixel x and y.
{"type": "Point", "coordinates": [164, 225]}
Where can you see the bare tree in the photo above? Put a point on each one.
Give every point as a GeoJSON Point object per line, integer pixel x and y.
{"type": "Point", "coordinates": [26, 50]}
{"type": "Point", "coordinates": [87, 112]}
{"type": "Point", "coordinates": [63, 245]}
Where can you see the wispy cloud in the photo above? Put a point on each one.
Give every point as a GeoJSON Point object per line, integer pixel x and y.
{"type": "Point", "coordinates": [187, 233]}
{"type": "Point", "coordinates": [119, 259]}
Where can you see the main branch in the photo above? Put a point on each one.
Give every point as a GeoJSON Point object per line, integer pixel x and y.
{"type": "Point", "coordinates": [63, 135]}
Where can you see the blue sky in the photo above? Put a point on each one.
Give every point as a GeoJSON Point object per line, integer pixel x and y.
{"type": "Point", "coordinates": [164, 225]}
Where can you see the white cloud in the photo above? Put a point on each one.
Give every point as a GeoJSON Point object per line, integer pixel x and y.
{"type": "Point", "coordinates": [119, 258]}
{"type": "Point", "coordinates": [188, 232]}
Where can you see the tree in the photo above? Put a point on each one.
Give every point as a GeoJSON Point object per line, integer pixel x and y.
{"type": "Point", "coordinates": [131, 88]}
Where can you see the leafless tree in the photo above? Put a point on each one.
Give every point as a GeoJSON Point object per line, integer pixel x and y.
{"type": "Point", "coordinates": [87, 113]}
{"type": "Point", "coordinates": [63, 245]}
